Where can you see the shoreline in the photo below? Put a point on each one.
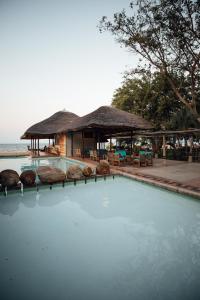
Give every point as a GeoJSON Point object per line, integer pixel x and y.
{"type": "Point", "coordinates": [4, 154]}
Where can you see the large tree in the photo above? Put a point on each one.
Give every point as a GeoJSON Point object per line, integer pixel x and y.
{"type": "Point", "coordinates": [150, 96]}
{"type": "Point", "coordinates": [166, 35]}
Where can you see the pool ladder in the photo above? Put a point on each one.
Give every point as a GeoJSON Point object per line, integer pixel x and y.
{"type": "Point", "coordinates": [21, 190]}
{"type": "Point", "coordinates": [50, 186]}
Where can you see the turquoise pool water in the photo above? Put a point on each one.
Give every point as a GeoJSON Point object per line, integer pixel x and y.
{"type": "Point", "coordinates": [113, 239]}
{"type": "Point", "coordinates": [20, 164]}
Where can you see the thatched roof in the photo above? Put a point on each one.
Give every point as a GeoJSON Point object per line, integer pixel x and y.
{"type": "Point", "coordinates": [107, 118]}
{"type": "Point", "coordinates": [57, 123]}
{"type": "Point", "coordinates": [112, 118]}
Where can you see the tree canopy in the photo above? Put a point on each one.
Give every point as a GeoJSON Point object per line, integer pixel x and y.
{"type": "Point", "coordinates": [166, 36]}
{"type": "Point", "coordinates": [150, 96]}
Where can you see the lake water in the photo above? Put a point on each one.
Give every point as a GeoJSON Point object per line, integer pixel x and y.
{"type": "Point", "coordinates": [13, 147]}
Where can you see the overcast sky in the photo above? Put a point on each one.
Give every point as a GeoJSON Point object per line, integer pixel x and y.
{"type": "Point", "coordinates": [52, 57]}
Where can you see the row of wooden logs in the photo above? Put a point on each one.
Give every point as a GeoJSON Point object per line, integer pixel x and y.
{"type": "Point", "coordinates": [50, 175]}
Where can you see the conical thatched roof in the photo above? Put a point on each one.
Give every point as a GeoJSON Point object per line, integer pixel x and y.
{"type": "Point", "coordinates": [110, 117]}
{"type": "Point", "coordinates": [58, 122]}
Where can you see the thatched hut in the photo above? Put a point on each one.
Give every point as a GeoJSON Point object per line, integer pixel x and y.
{"type": "Point", "coordinates": [72, 133]}
{"type": "Point", "coordinates": [54, 128]}
{"type": "Point", "coordinates": [110, 119]}
{"type": "Point", "coordinates": [103, 123]}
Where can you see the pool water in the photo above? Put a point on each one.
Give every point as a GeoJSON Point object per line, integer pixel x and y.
{"type": "Point", "coordinates": [20, 164]}
{"type": "Point", "coordinates": [113, 239]}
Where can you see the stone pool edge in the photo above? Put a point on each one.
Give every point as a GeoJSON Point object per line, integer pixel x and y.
{"type": "Point", "coordinates": [163, 185]}
{"type": "Point", "coordinates": [140, 178]}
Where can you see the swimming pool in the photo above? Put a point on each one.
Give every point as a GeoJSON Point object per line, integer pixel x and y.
{"type": "Point", "coordinates": [113, 239]}
{"type": "Point", "coordinates": [20, 164]}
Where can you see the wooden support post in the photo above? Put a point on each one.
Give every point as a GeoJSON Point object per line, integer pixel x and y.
{"type": "Point", "coordinates": [35, 146]}
{"type": "Point", "coordinates": [72, 144]}
{"type": "Point", "coordinates": [95, 140]}
{"type": "Point", "coordinates": [83, 149]}
{"type": "Point", "coordinates": [38, 147]}
{"type": "Point", "coordinates": [131, 142]}
{"type": "Point", "coordinates": [66, 145]}
{"type": "Point", "coordinates": [190, 153]}
{"type": "Point", "coordinates": [164, 149]}
{"type": "Point", "coordinates": [98, 146]}
{"type": "Point", "coordinates": [156, 147]}
{"type": "Point", "coordinates": [110, 144]}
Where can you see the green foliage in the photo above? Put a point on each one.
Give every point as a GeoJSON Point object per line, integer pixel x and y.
{"type": "Point", "coordinates": [149, 96]}
{"type": "Point", "coordinates": [183, 119]}
{"type": "Point", "coordinates": [166, 35]}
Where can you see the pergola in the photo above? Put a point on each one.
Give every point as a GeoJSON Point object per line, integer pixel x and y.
{"type": "Point", "coordinates": [191, 132]}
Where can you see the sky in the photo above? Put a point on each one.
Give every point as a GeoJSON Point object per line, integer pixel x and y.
{"type": "Point", "coordinates": [53, 57]}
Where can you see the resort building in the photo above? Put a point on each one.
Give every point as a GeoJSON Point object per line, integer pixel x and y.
{"type": "Point", "coordinates": [73, 136]}
{"type": "Point", "coordinates": [70, 135]}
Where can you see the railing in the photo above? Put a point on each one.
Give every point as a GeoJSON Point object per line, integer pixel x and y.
{"type": "Point", "coordinates": [181, 154]}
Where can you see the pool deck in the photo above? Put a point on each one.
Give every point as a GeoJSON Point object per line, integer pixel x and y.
{"type": "Point", "coordinates": [179, 176]}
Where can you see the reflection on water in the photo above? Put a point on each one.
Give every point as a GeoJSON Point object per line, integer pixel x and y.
{"type": "Point", "coordinates": [114, 239]}
{"type": "Point", "coordinates": [105, 202]}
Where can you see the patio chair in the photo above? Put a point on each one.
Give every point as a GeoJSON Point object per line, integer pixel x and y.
{"type": "Point", "coordinates": [110, 157]}
{"type": "Point", "coordinates": [122, 154]}
{"type": "Point", "coordinates": [95, 156]}
{"type": "Point", "coordinates": [91, 154]}
{"type": "Point", "coordinates": [139, 160]}
{"type": "Point", "coordinates": [136, 159]}
{"type": "Point", "coordinates": [78, 152]}
{"type": "Point", "coordinates": [129, 159]}
{"type": "Point", "coordinates": [102, 153]}
{"type": "Point", "coordinates": [143, 160]}
{"type": "Point", "coordinates": [116, 159]}
{"type": "Point", "coordinates": [149, 159]}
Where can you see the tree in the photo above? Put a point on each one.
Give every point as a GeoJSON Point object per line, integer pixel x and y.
{"type": "Point", "coordinates": [150, 97]}
{"type": "Point", "coordinates": [166, 36]}
{"type": "Point", "coordinates": [183, 119]}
